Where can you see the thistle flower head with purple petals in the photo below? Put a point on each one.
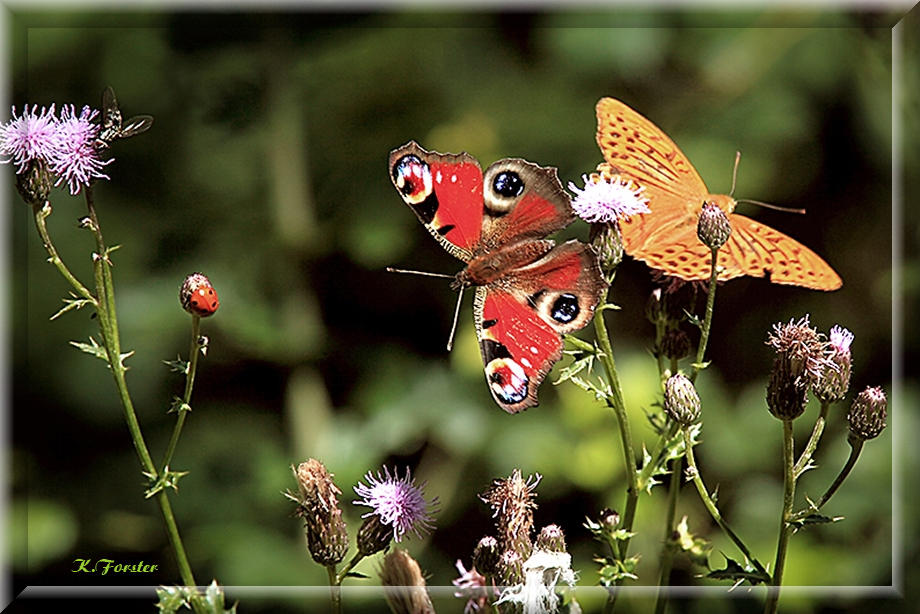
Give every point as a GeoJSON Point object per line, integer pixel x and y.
{"type": "Point", "coordinates": [605, 200]}
{"type": "Point", "coordinates": [31, 136]}
{"type": "Point", "coordinates": [399, 503]}
{"type": "Point", "coordinates": [66, 145]}
{"type": "Point", "coordinates": [77, 162]}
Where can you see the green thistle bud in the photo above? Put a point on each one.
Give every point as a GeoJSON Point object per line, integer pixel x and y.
{"type": "Point", "coordinates": [608, 245]}
{"type": "Point", "coordinates": [681, 401]}
{"type": "Point", "coordinates": [867, 414]}
{"type": "Point", "coordinates": [713, 227]}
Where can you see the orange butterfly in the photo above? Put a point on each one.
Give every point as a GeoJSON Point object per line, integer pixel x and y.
{"type": "Point", "coordinates": [666, 239]}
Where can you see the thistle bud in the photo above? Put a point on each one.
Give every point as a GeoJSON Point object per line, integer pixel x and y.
{"type": "Point", "coordinates": [610, 519]}
{"type": "Point", "coordinates": [675, 344]}
{"type": "Point", "coordinates": [197, 296]}
{"type": "Point", "coordinates": [801, 361]}
{"type": "Point", "coordinates": [487, 557]}
{"type": "Point", "coordinates": [867, 414]}
{"type": "Point", "coordinates": [551, 538]}
{"type": "Point", "coordinates": [374, 536]}
{"type": "Point", "coordinates": [327, 538]}
{"type": "Point", "coordinates": [35, 183]}
{"type": "Point", "coordinates": [681, 401]}
{"type": "Point", "coordinates": [786, 397]}
{"type": "Point", "coordinates": [833, 385]}
{"type": "Point", "coordinates": [608, 245]}
{"type": "Point", "coordinates": [405, 590]}
{"type": "Point", "coordinates": [512, 568]}
{"type": "Point", "coordinates": [713, 227]}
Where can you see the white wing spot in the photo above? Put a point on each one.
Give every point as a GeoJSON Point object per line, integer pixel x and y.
{"type": "Point", "coordinates": [534, 350]}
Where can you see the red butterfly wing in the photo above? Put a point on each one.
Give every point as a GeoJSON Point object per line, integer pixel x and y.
{"type": "Point", "coordinates": [520, 320]}
{"type": "Point", "coordinates": [445, 191]}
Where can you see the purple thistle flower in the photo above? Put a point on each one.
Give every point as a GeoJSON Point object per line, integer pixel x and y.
{"type": "Point", "coordinates": [31, 136]}
{"type": "Point", "coordinates": [397, 502]}
{"type": "Point", "coordinates": [841, 339]}
{"type": "Point", "coordinates": [77, 161]}
{"type": "Point", "coordinates": [606, 200]}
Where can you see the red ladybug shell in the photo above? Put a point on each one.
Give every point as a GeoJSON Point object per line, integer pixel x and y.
{"type": "Point", "coordinates": [203, 301]}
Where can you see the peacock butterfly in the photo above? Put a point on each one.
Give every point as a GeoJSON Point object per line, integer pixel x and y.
{"type": "Point", "coordinates": [529, 291]}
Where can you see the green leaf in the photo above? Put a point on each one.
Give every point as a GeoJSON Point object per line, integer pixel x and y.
{"type": "Point", "coordinates": [171, 599]}
{"type": "Point", "coordinates": [71, 304]}
{"type": "Point", "coordinates": [737, 574]}
{"type": "Point", "coordinates": [92, 348]}
{"type": "Point", "coordinates": [178, 365]}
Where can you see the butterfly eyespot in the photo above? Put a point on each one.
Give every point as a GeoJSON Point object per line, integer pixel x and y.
{"type": "Point", "coordinates": [508, 184]}
{"type": "Point", "coordinates": [507, 380]}
{"type": "Point", "coordinates": [565, 309]}
{"type": "Point", "coordinates": [413, 179]}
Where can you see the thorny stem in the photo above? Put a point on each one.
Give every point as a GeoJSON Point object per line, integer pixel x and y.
{"type": "Point", "coordinates": [104, 304]}
{"type": "Point", "coordinates": [785, 527]}
{"type": "Point", "coordinates": [348, 567]}
{"type": "Point", "coordinates": [184, 407]}
{"type": "Point", "coordinates": [711, 507]}
{"type": "Point", "coordinates": [616, 402]}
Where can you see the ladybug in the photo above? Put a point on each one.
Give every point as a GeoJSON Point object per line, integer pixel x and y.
{"type": "Point", "coordinates": [198, 296]}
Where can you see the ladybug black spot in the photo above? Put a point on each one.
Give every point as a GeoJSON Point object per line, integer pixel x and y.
{"type": "Point", "coordinates": [508, 184]}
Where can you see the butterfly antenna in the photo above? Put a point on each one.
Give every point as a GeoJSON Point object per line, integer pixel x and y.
{"type": "Point", "coordinates": [771, 206]}
{"type": "Point", "coordinates": [735, 172]}
{"type": "Point", "coordinates": [453, 327]}
{"type": "Point", "coordinates": [424, 273]}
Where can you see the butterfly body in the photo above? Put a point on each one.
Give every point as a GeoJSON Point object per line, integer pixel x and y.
{"type": "Point", "coordinates": [529, 290]}
{"type": "Point", "coordinates": [665, 238]}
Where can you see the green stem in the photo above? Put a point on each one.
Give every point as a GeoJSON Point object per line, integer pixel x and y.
{"type": "Point", "coordinates": [785, 527]}
{"type": "Point", "coordinates": [185, 406]}
{"type": "Point", "coordinates": [713, 509]}
{"type": "Point", "coordinates": [335, 590]}
{"type": "Point", "coordinates": [108, 323]}
{"type": "Point", "coordinates": [41, 214]}
{"type": "Point", "coordinates": [812, 445]}
{"type": "Point", "coordinates": [340, 577]}
{"type": "Point", "coordinates": [616, 402]}
{"type": "Point", "coordinates": [707, 320]}
{"type": "Point", "coordinates": [667, 551]}
{"type": "Point", "coordinates": [856, 445]}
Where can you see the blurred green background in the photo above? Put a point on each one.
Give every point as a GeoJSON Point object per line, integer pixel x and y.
{"type": "Point", "coordinates": [266, 169]}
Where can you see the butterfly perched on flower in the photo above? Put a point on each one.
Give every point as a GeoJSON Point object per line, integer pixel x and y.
{"type": "Point", "coordinates": [665, 238]}
{"type": "Point", "coordinates": [529, 291]}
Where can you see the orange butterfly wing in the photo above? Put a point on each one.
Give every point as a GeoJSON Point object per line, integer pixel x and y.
{"type": "Point", "coordinates": [665, 238]}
